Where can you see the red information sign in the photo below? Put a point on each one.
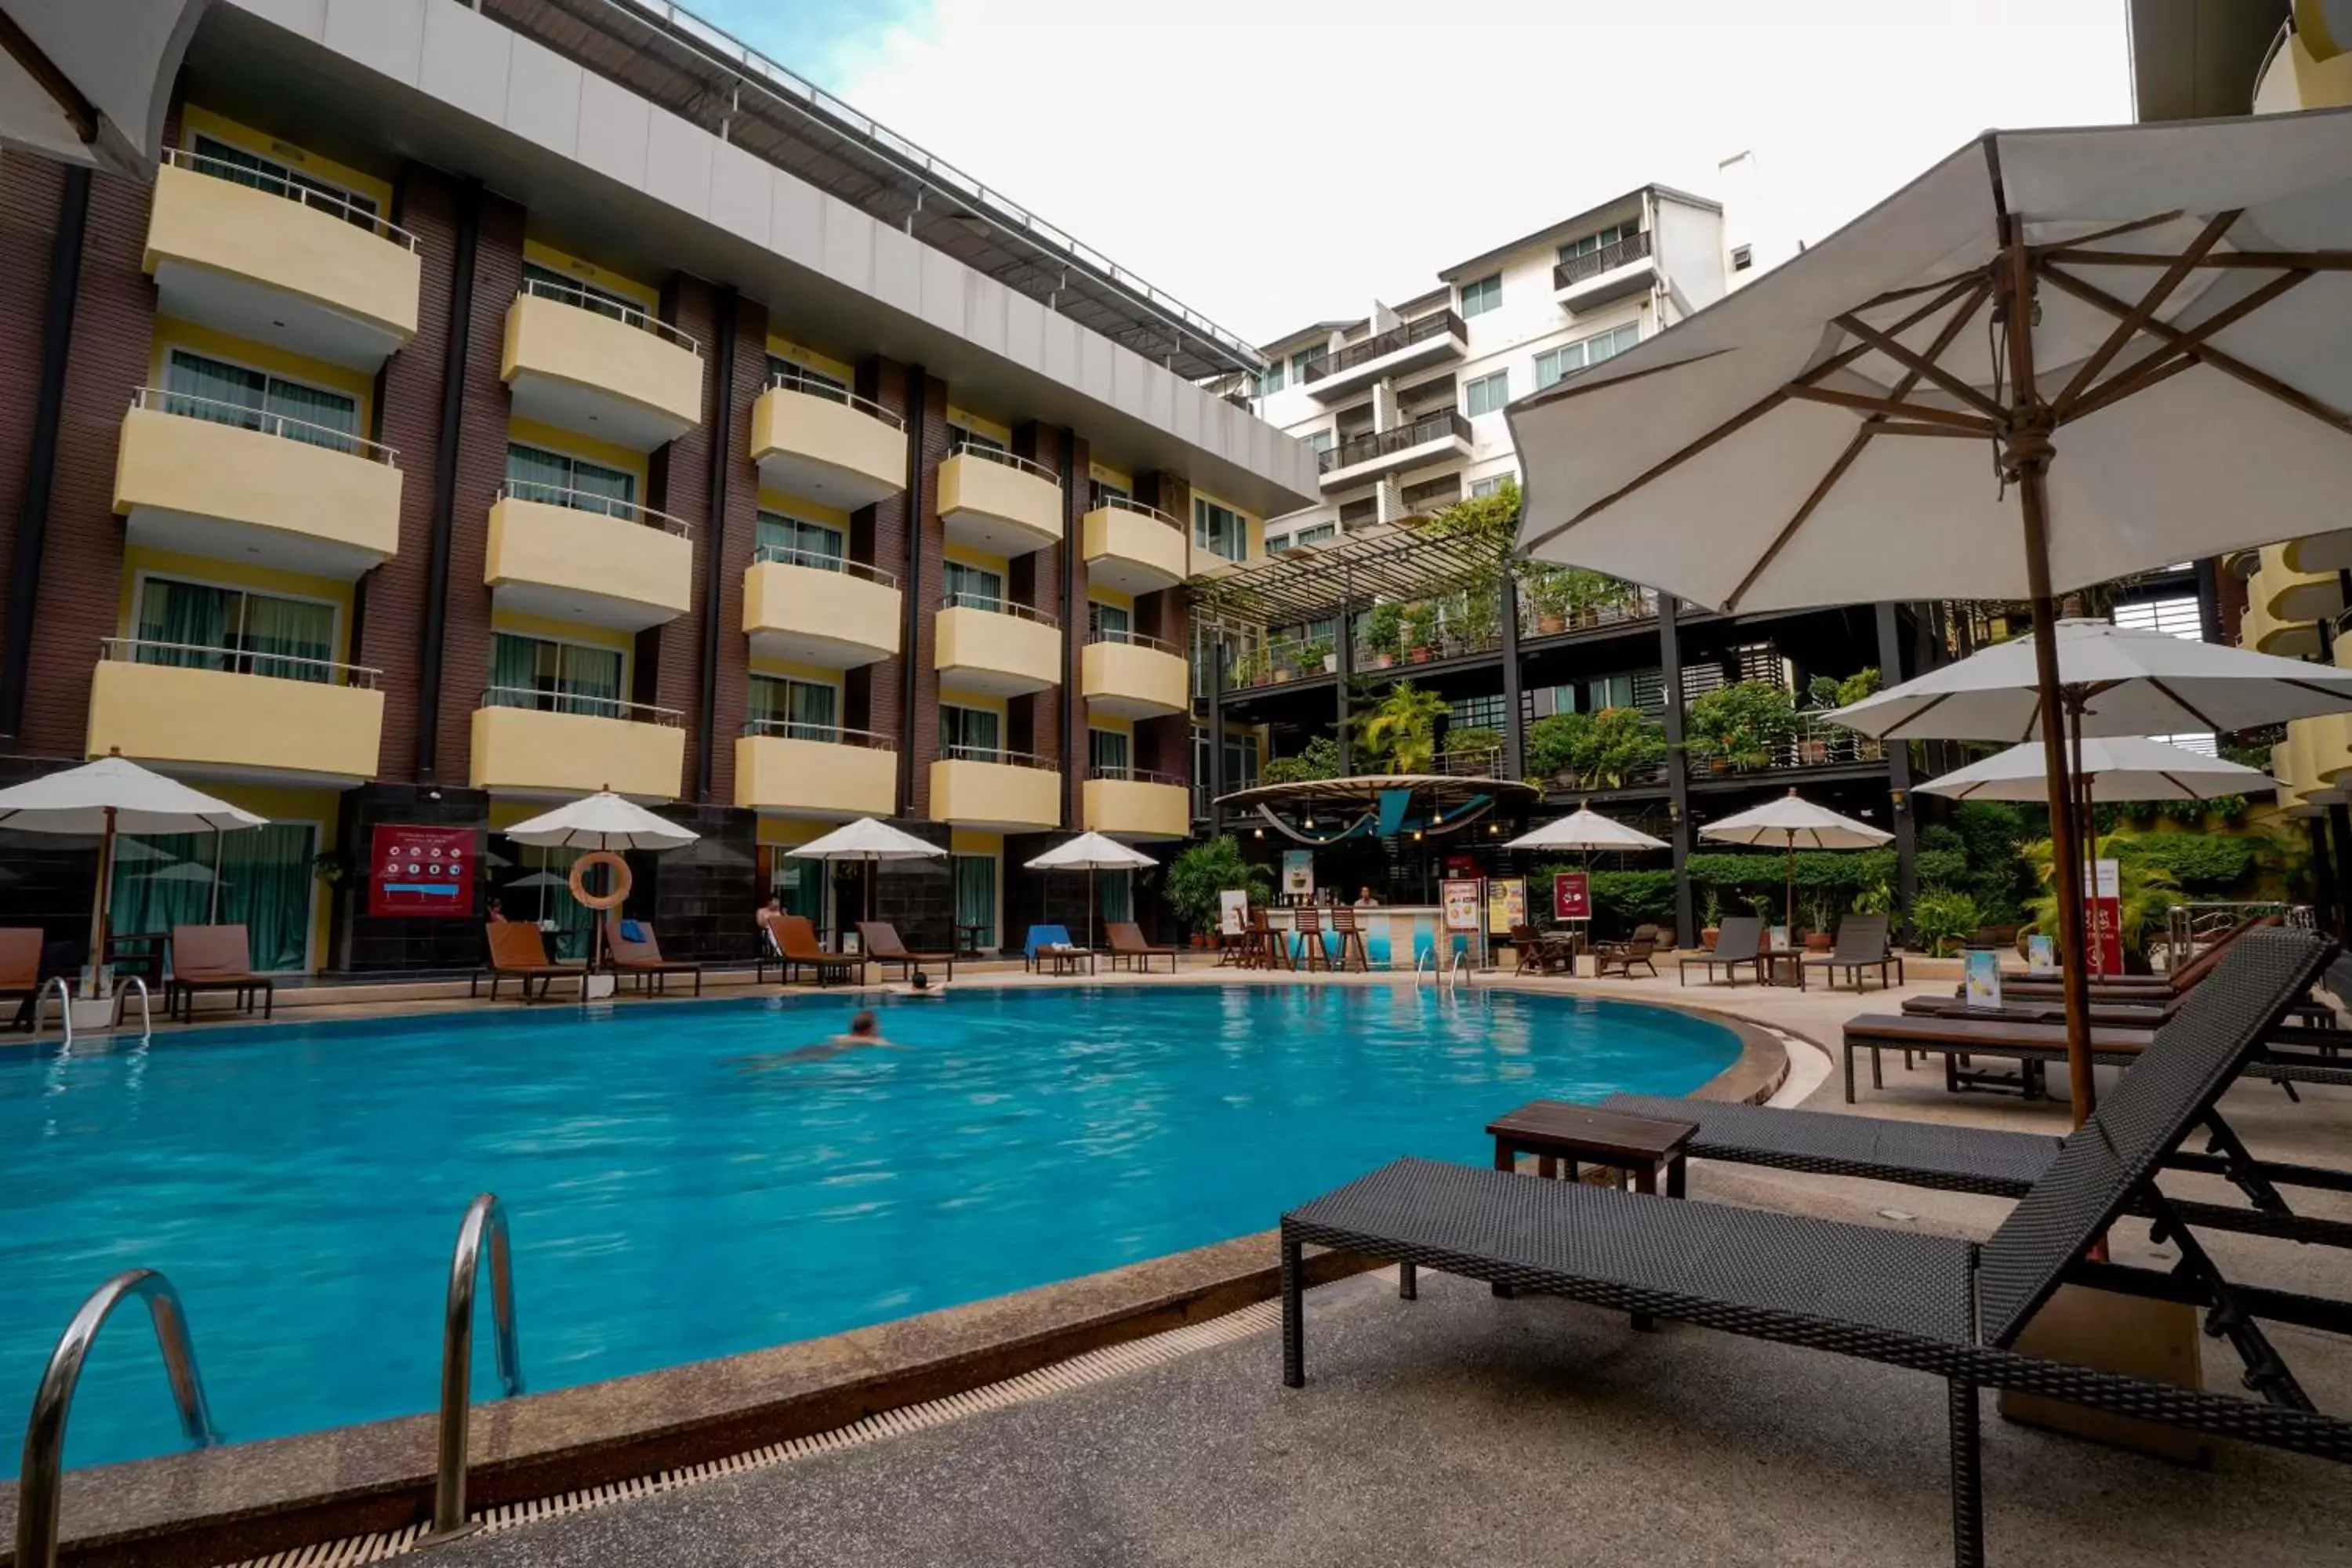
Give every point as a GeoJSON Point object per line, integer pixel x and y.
{"type": "Point", "coordinates": [423, 870]}
{"type": "Point", "coordinates": [2103, 912]}
{"type": "Point", "coordinates": [1571, 897]}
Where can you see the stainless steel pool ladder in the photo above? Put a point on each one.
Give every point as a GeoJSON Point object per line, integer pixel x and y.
{"type": "Point", "coordinates": [1458, 973]}
{"type": "Point", "coordinates": [1429, 957]}
{"type": "Point", "coordinates": [65, 1007]}
{"type": "Point", "coordinates": [485, 1214]}
{"type": "Point", "coordinates": [43, 1472]}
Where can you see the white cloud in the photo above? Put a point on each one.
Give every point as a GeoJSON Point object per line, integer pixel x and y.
{"type": "Point", "coordinates": [1270, 161]}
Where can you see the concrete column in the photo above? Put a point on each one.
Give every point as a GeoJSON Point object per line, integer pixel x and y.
{"type": "Point", "coordinates": [1515, 724]}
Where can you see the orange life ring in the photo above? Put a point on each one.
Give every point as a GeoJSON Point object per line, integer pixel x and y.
{"type": "Point", "coordinates": [620, 879]}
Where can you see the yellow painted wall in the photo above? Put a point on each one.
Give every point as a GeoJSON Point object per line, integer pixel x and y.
{"type": "Point", "coordinates": [805, 510]}
{"type": "Point", "coordinates": [1110, 476]}
{"type": "Point", "coordinates": [965, 555]}
{"type": "Point", "coordinates": [792, 830]}
{"type": "Point", "coordinates": [551, 630]}
{"type": "Point", "coordinates": [648, 299]}
{"type": "Point", "coordinates": [1112, 597]}
{"type": "Point", "coordinates": [140, 560]}
{"type": "Point", "coordinates": [800, 354]}
{"type": "Point", "coordinates": [171, 333]}
{"type": "Point", "coordinates": [814, 674]}
{"type": "Point", "coordinates": [980, 423]}
{"type": "Point", "coordinates": [220, 128]}
{"type": "Point", "coordinates": [531, 433]}
{"type": "Point", "coordinates": [1111, 722]}
{"type": "Point", "coordinates": [952, 698]}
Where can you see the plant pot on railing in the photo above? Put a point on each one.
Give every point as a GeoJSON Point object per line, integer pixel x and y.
{"type": "Point", "coordinates": [1422, 654]}
{"type": "Point", "coordinates": [1548, 626]}
{"type": "Point", "coordinates": [1812, 750]}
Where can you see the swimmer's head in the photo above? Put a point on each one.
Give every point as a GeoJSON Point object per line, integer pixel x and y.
{"type": "Point", "coordinates": [863, 1026]}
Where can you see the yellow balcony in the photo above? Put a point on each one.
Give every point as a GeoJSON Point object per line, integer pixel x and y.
{"type": "Point", "coordinates": [833, 446]}
{"type": "Point", "coordinates": [799, 770]}
{"type": "Point", "coordinates": [995, 501]}
{"type": "Point", "coordinates": [578, 361]}
{"type": "Point", "coordinates": [235, 716]}
{"type": "Point", "coordinates": [1134, 549]}
{"type": "Point", "coordinates": [230, 482]}
{"type": "Point", "coordinates": [2289, 595]}
{"type": "Point", "coordinates": [1137, 806]}
{"type": "Point", "coordinates": [536, 752]}
{"type": "Point", "coordinates": [839, 619]}
{"type": "Point", "coordinates": [619, 565]}
{"type": "Point", "coordinates": [997, 647]}
{"type": "Point", "coordinates": [1015, 794]}
{"type": "Point", "coordinates": [1134, 678]}
{"type": "Point", "coordinates": [300, 268]}
{"type": "Point", "coordinates": [2259, 630]}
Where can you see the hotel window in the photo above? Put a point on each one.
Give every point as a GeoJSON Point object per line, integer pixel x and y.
{"type": "Point", "coordinates": [1571, 357]}
{"type": "Point", "coordinates": [1321, 441]}
{"type": "Point", "coordinates": [203, 388]}
{"type": "Point", "coordinates": [1482, 296]}
{"type": "Point", "coordinates": [1590, 243]}
{"type": "Point", "coordinates": [1484, 712]}
{"type": "Point", "coordinates": [269, 175]}
{"type": "Point", "coordinates": [975, 897]}
{"type": "Point", "coordinates": [555, 676]}
{"type": "Point", "coordinates": [1269, 380]}
{"type": "Point", "coordinates": [800, 378]}
{"type": "Point", "coordinates": [1304, 357]}
{"type": "Point", "coordinates": [796, 709]}
{"type": "Point", "coordinates": [1276, 543]}
{"type": "Point", "coordinates": [1219, 531]}
{"type": "Point", "coordinates": [579, 291]}
{"type": "Point", "coordinates": [1742, 259]}
{"type": "Point", "coordinates": [1107, 623]}
{"type": "Point", "coordinates": [972, 587]}
{"type": "Point", "coordinates": [968, 734]}
{"type": "Point", "coordinates": [799, 543]}
{"type": "Point", "coordinates": [1488, 486]}
{"type": "Point", "coordinates": [1321, 533]}
{"type": "Point", "coordinates": [961, 437]}
{"type": "Point", "coordinates": [535, 474]}
{"type": "Point", "coordinates": [1102, 493]}
{"type": "Point", "coordinates": [1488, 392]}
{"type": "Point", "coordinates": [196, 626]}
{"type": "Point", "coordinates": [1107, 754]}
{"type": "Point", "coordinates": [266, 878]}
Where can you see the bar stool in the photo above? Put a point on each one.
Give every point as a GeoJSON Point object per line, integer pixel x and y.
{"type": "Point", "coordinates": [1307, 920]}
{"type": "Point", "coordinates": [1352, 956]}
{"type": "Point", "coordinates": [1272, 946]}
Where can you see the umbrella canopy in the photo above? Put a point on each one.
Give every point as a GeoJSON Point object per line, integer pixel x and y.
{"type": "Point", "coordinates": [601, 821]}
{"type": "Point", "coordinates": [2120, 768]}
{"type": "Point", "coordinates": [1588, 830]}
{"type": "Point", "coordinates": [115, 793]}
{"type": "Point", "coordinates": [2127, 682]}
{"type": "Point", "coordinates": [866, 839]}
{"type": "Point", "coordinates": [1795, 823]}
{"type": "Point", "coordinates": [2119, 347]}
{"type": "Point", "coordinates": [1091, 852]}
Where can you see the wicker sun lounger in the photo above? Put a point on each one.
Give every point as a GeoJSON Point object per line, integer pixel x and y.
{"type": "Point", "coordinates": [2034, 1046]}
{"type": "Point", "coordinates": [1738, 944]}
{"type": "Point", "coordinates": [1946, 1307]}
{"type": "Point", "coordinates": [1860, 944]}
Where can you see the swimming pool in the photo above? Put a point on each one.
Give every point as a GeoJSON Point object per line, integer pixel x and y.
{"type": "Point", "coordinates": [682, 1185]}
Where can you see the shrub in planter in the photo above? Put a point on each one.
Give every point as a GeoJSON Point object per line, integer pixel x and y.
{"type": "Point", "coordinates": [1205, 870]}
{"type": "Point", "coordinates": [1421, 631]}
{"type": "Point", "coordinates": [1618, 746]}
{"type": "Point", "coordinates": [1384, 633]}
{"type": "Point", "coordinates": [1742, 726]}
{"type": "Point", "coordinates": [1552, 744]}
{"type": "Point", "coordinates": [1942, 921]}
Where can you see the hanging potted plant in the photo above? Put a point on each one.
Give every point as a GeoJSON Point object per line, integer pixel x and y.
{"type": "Point", "coordinates": [1421, 631]}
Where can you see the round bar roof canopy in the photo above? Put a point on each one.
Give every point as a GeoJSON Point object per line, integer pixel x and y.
{"type": "Point", "coordinates": [1442, 791]}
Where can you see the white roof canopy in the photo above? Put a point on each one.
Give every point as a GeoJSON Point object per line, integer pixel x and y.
{"type": "Point", "coordinates": [866, 839]}
{"type": "Point", "coordinates": [602, 821]}
{"type": "Point", "coordinates": [1585, 830]}
{"type": "Point", "coordinates": [2120, 768]}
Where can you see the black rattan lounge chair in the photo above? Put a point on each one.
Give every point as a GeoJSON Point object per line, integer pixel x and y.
{"type": "Point", "coordinates": [1860, 944]}
{"type": "Point", "coordinates": [2033, 1045]}
{"type": "Point", "coordinates": [1738, 944]}
{"type": "Point", "coordinates": [1946, 1306]}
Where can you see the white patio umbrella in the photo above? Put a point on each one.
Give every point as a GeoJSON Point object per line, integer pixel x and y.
{"type": "Point", "coordinates": [1588, 830]}
{"type": "Point", "coordinates": [1794, 823]}
{"type": "Point", "coordinates": [1091, 853]}
{"type": "Point", "coordinates": [603, 821]}
{"type": "Point", "coordinates": [869, 841]}
{"type": "Point", "coordinates": [111, 794]}
{"type": "Point", "coordinates": [2120, 768]}
{"type": "Point", "coordinates": [2055, 358]}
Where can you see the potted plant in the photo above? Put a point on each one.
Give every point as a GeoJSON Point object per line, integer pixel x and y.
{"type": "Point", "coordinates": [1548, 597]}
{"type": "Point", "coordinates": [1384, 634]}
{"type": "Point", "coordinates": [1712, 920]}
{"type": "Point", "coordinates": [1402, 731]}
{"type": "Point", "coordinates": [1818, 935]}
{"type": "Point", "coordinates": [1319, 654]}
{"type": "Point", "coordinates": [1421, 631]}
{"type": "Point", "coordinates": [1196, 876]}
{"type": "Point", "coordinates": [1741, 727]}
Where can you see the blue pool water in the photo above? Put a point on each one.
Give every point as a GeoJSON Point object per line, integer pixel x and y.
{"type": "Point", "coordinates": [681, 1188]}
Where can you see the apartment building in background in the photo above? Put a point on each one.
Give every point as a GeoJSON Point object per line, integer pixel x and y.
{"type": "Point", "coordinates": [490, 404]}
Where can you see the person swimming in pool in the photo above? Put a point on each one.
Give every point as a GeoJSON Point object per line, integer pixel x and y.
{"type": "Point", "coordinates": [864, 1030]}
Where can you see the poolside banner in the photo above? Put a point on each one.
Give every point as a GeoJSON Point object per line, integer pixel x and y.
{"type": "Point", "coordinates": [1298, 873]}
{"type": "Point", "coordinates": [1506, 905]}
{"type": "Point", "coordinates": [1459, 895]}
{"type": "Point", "coordinates": [2104, 914]}
{"type": "Point", "coordinates": [1571, 897]}
{"type": "Point", "coordinates": [1983, 985]}
{"type": "Point", "coordinates": [427, 871]}
{"type": "Point", "coordinates": [1233, 911]}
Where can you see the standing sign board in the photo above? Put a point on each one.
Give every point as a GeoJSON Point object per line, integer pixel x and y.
{"type": "Point", "coordinates": [1983, 989]}
{"type": "Point", "coordinates": [1298, 873]}
{"type": "Point", "coordinates": [1233, 911]}
{"type": "Point", "coordinates": [2103, 912]}
{"type": "Point", "coordinates": [1571, 897]}
{"type": "Point", "coordinates": [1506, 905]}
{"type": "Point", "coordinates": [426, 871]}
{"type": "Point", "coordinates": [1459, 895]}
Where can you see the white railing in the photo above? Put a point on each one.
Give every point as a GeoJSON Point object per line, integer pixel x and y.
{"type": "Point", "coordinates": [1000, 756]}
{"type": "Point", "coordinates": [964, 599]}
{"type": "Point", "coordinates": [603, 305]}
{"type": "Point", "coordinates": [591, 501]}
{"type": "Point", "coordinates": [1121, 503]}
{"type": "Point", "coordinates": [244, 417]}
{"type": "Point", "coordinates": [559, 699]}
{"type": "Point", "coordinates": [810, 385]}
{"type": "Point", "coordinates": [344, 207]}
{"type": "Point", "coordinates": [998, 455]}
{"type": "Point", "coordinates": [1134, 639]}
{"type": "Point", "coordinates": [831, 734]}
{"type": "Point", "coordinates": [793, 555]}
{"type": "Point", "coordinates": [238, 661]}
{"type": "Point", "coordinates": [1125, 774]}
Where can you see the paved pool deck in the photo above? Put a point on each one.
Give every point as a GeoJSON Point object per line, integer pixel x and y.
{"type": "Point", "coordinates": [1461, 1428]}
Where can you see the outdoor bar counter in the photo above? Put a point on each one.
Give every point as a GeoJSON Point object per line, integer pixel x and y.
{"type": "Point", "coordinates": [1396, 936]}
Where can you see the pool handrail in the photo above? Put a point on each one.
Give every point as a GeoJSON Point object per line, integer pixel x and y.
{"type": "Point", "coordinates": [146, 1012]}
{"type": "Point", "coordinates": [485, 1213]}
{"type": "Point", "coordinates": [1458, 973]}
{"type": "Point", "coordinates": [1431, 954]}
{"type": "Point", "coordinates": [41, 1475]}
{"type": "Point", "coordinates": [65, 1005]}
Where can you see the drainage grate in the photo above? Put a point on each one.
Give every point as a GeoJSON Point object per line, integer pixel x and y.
{"type": "Point", "coordinates": [1094, 1366]}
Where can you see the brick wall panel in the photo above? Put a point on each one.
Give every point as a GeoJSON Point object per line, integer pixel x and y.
{"type": "Point", "coordinates": [921, 731]}
{"type": "Point", "coordinates": [733, 557]}
{"type": "Point", "coordinates": [30, 190]}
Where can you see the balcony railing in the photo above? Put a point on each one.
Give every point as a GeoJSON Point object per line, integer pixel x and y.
{"type": "Point", "coordinates": [238, 661]}
{"type": "Point", "coordinates": [999, 755]}
{"type": "Point", "coordinates": [589, 500]}
{"type": "Point", "coordinates": [999, 455]}
{"type": "Point", "coordinates": [1293, 660]}
{"type": "Point", "coordinates": [1608, 258]}
{"type": "Point", "coordinates": [1438, 426]}
{"type": "Point", "coordinates": [1121, 503]}
{"type": "Point", "coordinates": [1546, 613]}
{"type": "Point", "coordinates": [964, 599]}
{"type": "Point", "coordinates": [1445, 323]}
{"type": "Point", "coordinates": [1817, 744]}
{"type": "Point", "coordinates": [793, 555]}
{"type": "Point", "coordinates": [560, 699]}
{"type": "Point", "coordinates": [243, 416]}
{"type": "Point", "coordinates": [831, 734]}
{"type": "Point", "coordinates": [333, 203]}
{"type": "Point", "coordinates": [1120, 772]}
{"type": "Point", "coordinates": [602, 305]}
{"type": "Point", "coordinates": [1472, 762]}
{"type": "Point", "coordinates": [810, 385]}
{"type": "Point", "coordinates": [1132, 639]}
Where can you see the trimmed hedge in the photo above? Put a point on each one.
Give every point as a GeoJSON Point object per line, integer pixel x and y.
{"type": "Point", "coordinates": [2200, 862]}
{"type": "Point", "coordinates": [1823, 871]}
{"type": "Point", "coordinates": [1623, 899]}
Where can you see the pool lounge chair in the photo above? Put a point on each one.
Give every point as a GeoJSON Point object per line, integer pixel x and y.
{"type": "Point", "coordinates": [1621, 956]}
{"type": "Point", "coordinates": [214, 958]}
{"type": "Point", "coordinates": [1951, 1308]}
{"type": "Point", "coordinates": [1127, 943]}
{"type": "Point", "coordinates": [641, 956]}
{"type": "Point", "coordinates": [2126, 990]}
{"type": "Point", "coordinates": [1044, 939]}
{"type": "Point", "coordinates": [1538, 956]}
{"type": "Point", "coordinates": [517, 953]}
{"type": "Point", "coordinates": [20, 971]}
{"type": "Point", "coordinates": [1860, 944]}
{"type": "Point", "coordinates": [2286, 1059]}
{"type": "Point", "coordinates": [880, 941]}
{"type": "Point", "coordinates": [796, 949]}
{"type": "Point", "coordinates": [1738, 944]}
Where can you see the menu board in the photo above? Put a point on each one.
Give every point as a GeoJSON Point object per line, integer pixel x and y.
{"type": "Point", "coordinates": [427, 871]}
{"type": "Point", "coordinates": [1506, 905]}
{"type": "Point", "coordinates": [1571, 897]}
{"type": "Point", "coordinates": [1460, 896]}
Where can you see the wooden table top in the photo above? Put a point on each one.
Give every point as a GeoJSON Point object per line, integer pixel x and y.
{"type": "Point", "coordinates": [1595, 1133]}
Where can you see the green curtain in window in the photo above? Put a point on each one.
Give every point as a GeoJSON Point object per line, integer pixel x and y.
{"type": "Point", "coordinates": [188, 616]}
{"type": "Point", "coordinates": [592, 681]}
{"type": "Point", "coordinates": [975, 895]}
{"type": "Point", "coordinates": [537, 474]}
{"type": "Point", "coordinates": [1117, 890]}
{"type": "Point", "coordinates": [810, 709]}
{"type": "Point", "coordinates": [266, 887]}
{"type": "Point", "coordinates": [295, 628]}
{"type": "Point", "coordinates": [211, 390]}
{"type": "Point", "coordinates": [801, 885]}
{"type": "Point", "coordinates": [322, 418]}
{"type": "Point", "coordinates": [597, 488]}
{"type": "Point", "coordinates": [514, 672]}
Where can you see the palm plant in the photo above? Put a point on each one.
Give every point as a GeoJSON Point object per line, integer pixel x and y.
{"type": "Point", "coordinates": [2147, 890]}
{"type": "Point", "coordinates": [1403, 729]}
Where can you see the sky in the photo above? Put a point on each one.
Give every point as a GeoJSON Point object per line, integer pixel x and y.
{"type": "Point", "coordinates": [1271, 163]}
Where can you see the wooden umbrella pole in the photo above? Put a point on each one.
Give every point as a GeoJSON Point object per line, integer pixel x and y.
{"type": "Point", "coordinates": [98, 915]}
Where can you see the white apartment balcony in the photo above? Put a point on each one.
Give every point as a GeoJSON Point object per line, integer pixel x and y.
{"type": "Point", "coordinates": [1432, 438]}
{"type": "Point", "coordinates": [579, 361]}
{"type": "Point", "coordinates": [1598, 277]}
{"type": "Point", "coordinates": [1133, 548]}
{"type": "Point", "coordinates": [995, 501]}
{"type": "Point", "coordinates": [820, 771]}
{"type": "Point", "coordinates": [996, 646]}
{"type": "Point", "coordinates": [1132, 677]}
{"type": "Point", "coordinates": [810, 439]}
{"type": "Point", "coordinates": [573, 556]}
{"type": "Point", "coordinates": [1420, 344]}
{"type": "Point", "coordinates": [819, 609]}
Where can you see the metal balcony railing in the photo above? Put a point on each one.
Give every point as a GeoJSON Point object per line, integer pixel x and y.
{"type": "Point", "coordinates": [244, 661]}
{"type": "Point", "coordinates": [810, 385]}
{"type": "Point", "coordinates": [817, 560]}
{"type": "Point", "coordinates": [336, 203]}
{"type": "Point", "coordinates": [244, 417]}
{"type": "Point", "coordinates": [830, 734]}
{"type": "Point", "coordinates": [1608, 258]}
{"type": "Point", "coordinates": [545, 494]}
{"type": "Point", "coordinates": [1122, 774]}
{"type": "Point", "coordinates": [1133, 639]}
{"type": "Point", "coordinates": [1122, 504]}
{"type": "Point", "coordinates": [1544, 613]}
{"type": "Point", "coordinates": [603, 305]}
{"type": "Point", "coordinates": [964, 599]}
{"type": "Point", "coordinates": [1000, 756]}
{"type": "Point", "coordinates": [999, 455]}
{"type": "Point", "coordinates": [558, 697]}
{"type": "Point", "coordinates": [1817, 744]}
{"type": "Point", "coordinates": [1446, 424]}
{"type": "Point", "coordinates": [1444, 324]}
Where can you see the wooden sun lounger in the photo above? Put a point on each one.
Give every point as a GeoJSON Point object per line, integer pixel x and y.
{"type": "Point", "coordinates": [517, 953]}
{"type": "Point", "coordinates": [796, 946]}
{"type": "Point", "coordinates": [879, 939]}
{"type": "Point", "coordinates": [214, 958]}
{"type": "Point", "coordinates": [644, 959]}
{"type": "Point", "coordinates": [1127, 943]}
{"type": "Point", "coordinates": [20, 971]}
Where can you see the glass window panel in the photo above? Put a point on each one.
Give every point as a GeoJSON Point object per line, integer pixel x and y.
{"type": "Point", "coordinates": [1482, 296]}
{"type": "Point", "coordinates": [1108, 750]}
{"type": "Point", "coordinates": [211, 389]}
{"type": "Point", "coordinates": [302, 632]}
{"type": "Point", "coordinates": [805, 379]}
{"type": "Point", "coordinates": [265, 881]}
{"type": "Point", "coordinates": [189, 620]}
{"type": "Point", "coordinates": [320, 417]}
{"type": "Point", "coordinates": [959, 436]}
{"type": "Point", "coordinates": [1489, 393]}
{"type": "Point", "coordinates": [975, 897]}
{"type": "Point", "coordinates": [579, 291]}
{"type": "Point", "coordinates": [974, 587]}
{"type": "Point", "coordinates": [1219, 531]}
{"type": "Point", "coordinates": [588, 680]}
{"type": "Point", "coordinates": [968, 732]}
{"type": "Point", "coordinates": [1110, 623]}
